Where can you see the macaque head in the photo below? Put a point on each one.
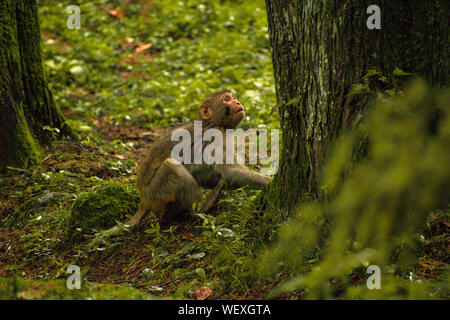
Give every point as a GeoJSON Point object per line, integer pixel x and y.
{"type": "Point", "coordinates": [222, 109]}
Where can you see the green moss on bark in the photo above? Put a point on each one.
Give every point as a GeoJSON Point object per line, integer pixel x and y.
{"type": "Point", "coordinates": [26, 103]}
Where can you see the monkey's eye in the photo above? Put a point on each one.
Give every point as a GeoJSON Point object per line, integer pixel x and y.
{"type": "Point", "coordinates": [227, 98]}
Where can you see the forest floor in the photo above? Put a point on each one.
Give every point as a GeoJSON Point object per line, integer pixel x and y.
{"type": "Point", "coordinates": [168, 262]}
{"type": "Point", "coordinates": [38, 250]}
{"type": "Point", "coordinates": [130, 72]}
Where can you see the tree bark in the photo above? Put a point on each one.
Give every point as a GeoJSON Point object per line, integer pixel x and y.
{"type": "Point", "coordinates": [319, 50]}
{"type": "Point", "coordinates": [27, 107]}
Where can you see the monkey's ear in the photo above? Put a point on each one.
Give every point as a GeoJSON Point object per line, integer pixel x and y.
{"type": "Point", "coordinates": [205, 112]}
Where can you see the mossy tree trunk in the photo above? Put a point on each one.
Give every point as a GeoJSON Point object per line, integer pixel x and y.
{"type": "Point", "coordinates": [319, 50]}
{"type": "Point", "coordinates": [27, 107]}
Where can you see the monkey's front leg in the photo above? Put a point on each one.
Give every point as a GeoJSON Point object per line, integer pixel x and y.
{"type": "Point", "coordinates": [237, 175]}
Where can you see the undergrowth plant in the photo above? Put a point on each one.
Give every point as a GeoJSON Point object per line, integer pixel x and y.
{"type": "Point", "coordinates": [376, 207]}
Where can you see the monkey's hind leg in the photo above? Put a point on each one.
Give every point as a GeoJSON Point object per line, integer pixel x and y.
{"type": "Point", "coordinates": [116, 230]}
{"type": "Point", "coordinates": [171, 192]}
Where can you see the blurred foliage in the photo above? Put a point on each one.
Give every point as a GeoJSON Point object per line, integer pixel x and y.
{"type": "Point", "coordinates": [377, 204]}
{"type": "Point", "coordinates": [18, 288]}
{"type": "Point", "coordinates": [154, 62]}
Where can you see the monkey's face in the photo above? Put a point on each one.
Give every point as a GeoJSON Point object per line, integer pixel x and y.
{"type": "Point", "coordinates": [233, 110]}
{"type": "Point", "coordinates": [222, 109]}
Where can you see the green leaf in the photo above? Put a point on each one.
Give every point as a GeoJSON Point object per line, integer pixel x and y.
{"type": "Point", "coordinates": [358, 88]}
{"type": "Point", "coordinates": [399, 72]}
{"type": "Point", "coordinates": [371, 73]}
{"type": "Point", "coordinates": [201, 273]}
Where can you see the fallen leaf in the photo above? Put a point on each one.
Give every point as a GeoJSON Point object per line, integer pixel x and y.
{"type": "Point", "coordinates": [116, 13]}
{"type": "Point", "coordinates": [202, 293]}
{"type": "Point", "coordinates": [189, 236]}
{"type": "Point", "coordinates": [143, 47]}
{"type": "Point", "coordinates": [47, 157]}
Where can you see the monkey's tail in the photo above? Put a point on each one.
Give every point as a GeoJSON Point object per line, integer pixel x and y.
{"type": "Point", "coordinates": [134, 220]}
{"type": "Point", "coordinates": [132, 223]}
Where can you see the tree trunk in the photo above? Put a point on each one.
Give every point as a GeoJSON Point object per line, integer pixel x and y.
{"type": "Point", "coordinates": [319, 50]}
{"type": "Point", "coordinates": [27, 107]}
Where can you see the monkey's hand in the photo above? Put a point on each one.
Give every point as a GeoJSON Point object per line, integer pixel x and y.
{"type": "Point", "coordinates": [237, 175]}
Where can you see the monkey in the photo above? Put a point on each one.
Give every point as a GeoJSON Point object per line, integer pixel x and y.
{"type": "Point", "coordinates": [168, 188]}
